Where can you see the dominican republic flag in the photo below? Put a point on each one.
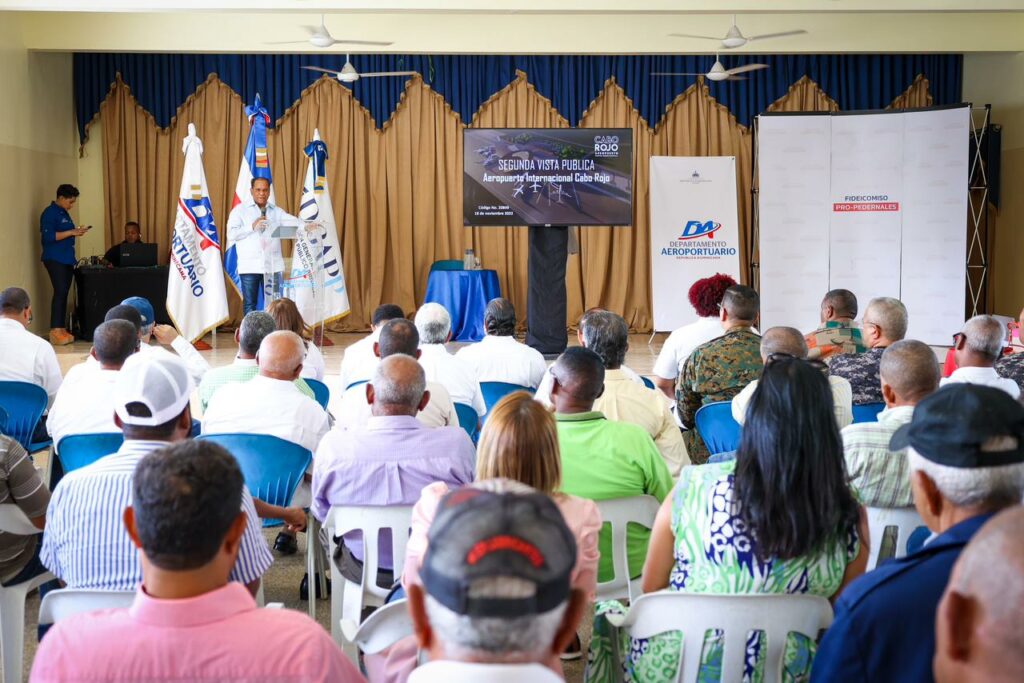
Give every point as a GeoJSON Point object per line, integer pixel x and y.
{"type": "Point", "coordinates": [318, 306]}
{"type": "Point", "coordinates": [255, 164]}
{"type": "Point", "coordinates": [196, 299]}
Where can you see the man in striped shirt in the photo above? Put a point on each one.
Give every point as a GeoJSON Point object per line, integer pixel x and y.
{"type": "Point", "coordinates": [909, 372]}
{"type": "Point", "coordinates": [85, 544]}
{"type": "Point", "coordinates": [20, 485]}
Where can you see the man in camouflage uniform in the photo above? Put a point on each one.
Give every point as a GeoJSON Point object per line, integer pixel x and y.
{"type": "Point", "coordinates": [884, 323]}
{"type": "Point", "coordinates": [1012, 367]}
{"type": "Point", "coordinates": [838, 333]}
{"type": "Point", "coordinates": [718, 370]}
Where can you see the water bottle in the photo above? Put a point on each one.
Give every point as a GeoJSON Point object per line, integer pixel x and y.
{"type": "Point", "coordinates": [468, 260]}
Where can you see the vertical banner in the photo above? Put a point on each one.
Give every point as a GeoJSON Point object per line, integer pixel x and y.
{"type": "Point", "coordinates": [694, 231]}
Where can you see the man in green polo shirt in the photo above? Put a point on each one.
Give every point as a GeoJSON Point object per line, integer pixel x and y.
{"type": "Point", "coordinates": [602, 459]}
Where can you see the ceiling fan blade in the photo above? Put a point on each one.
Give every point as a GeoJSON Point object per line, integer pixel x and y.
{"type": "Point", "coordinates": [667, 73]}
{"type": "Point", "coordinates": [313, 30]}
{"type": "Point", "coordinates": [361, 42]}
{"type": "Point", "coordinates": [745, 68]}
{"type": "Point", "coordinates": [285, 42]}
{"type": "Point", "coordinates": [320, 68]}
{"type": "Point", "coordinates": [388, 73]}
{"type": "Point", "coordinates": [690, 35]}
{"type": "Point", "coordinates": [736, 78]}
{"type": "Point", "coordinates": [766, 36]}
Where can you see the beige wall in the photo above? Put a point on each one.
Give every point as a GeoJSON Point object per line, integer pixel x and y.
{"type": "Point", "coordinates": [998, 79]}
{"type": "Point", "coordinates": [37, 153]}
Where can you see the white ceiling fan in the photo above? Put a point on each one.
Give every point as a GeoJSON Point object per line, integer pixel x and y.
{"type": "Point", "coordinates": [734, 38]}
{"type": "Point", "coordinates": [719, 72]}
{"type": "Point", "coordinates": [319, 36]}
{"type": "Point", "coordinates": [348, 73]}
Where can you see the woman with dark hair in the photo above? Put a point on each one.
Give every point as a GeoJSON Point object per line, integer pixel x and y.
{"type": "Point", "coordinates": [780, 518]}
{"type": "Point", "coordinates": [287, 317]}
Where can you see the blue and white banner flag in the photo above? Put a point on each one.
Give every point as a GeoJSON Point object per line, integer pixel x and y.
{"type": "Point", "coordinates": [317, 247]}
{"type": "Point", "coordinates": [196, 297]}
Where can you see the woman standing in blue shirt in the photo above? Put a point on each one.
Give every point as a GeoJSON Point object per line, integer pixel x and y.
{"type": "Point", "coordinates": [58, 233]}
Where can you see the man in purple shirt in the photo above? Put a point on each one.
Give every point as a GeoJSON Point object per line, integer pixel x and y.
{"type": "Point", "coordinates": [188, 623]}
{"type": "Point", "coordinates": [388, 460]}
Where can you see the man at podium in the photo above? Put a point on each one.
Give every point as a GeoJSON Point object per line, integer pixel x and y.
{"type": "Point", "coordinates": [252, 226]}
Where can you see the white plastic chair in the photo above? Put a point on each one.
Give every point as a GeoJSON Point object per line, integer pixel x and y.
{"type": "Point", "coordinates": [737, 615]}
{"type": "Point", "coordinates": [904, 520]}
{"type": "Point", "coordinates": [67, 602]}
{"type": "Point", "coordinates": [620, 512]}
{"type": "Point", "coordinates": [12, 598]}
{"type": "Point", "coordinates": [348, 598]}
{"type": "Point", "coordinates": [385, 627]}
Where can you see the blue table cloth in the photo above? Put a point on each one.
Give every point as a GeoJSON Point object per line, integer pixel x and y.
{"type": "Point", "coordinates": [465, 294]}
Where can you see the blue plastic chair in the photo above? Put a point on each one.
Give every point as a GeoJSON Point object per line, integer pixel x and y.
{"type": "Point", "coordinates": [356, 384]}
{"type": "Point", "coordinates": [320, 392]}
{"type": "Point", "coordinates": [197, 428]}
{"type": "Point", "coordinates": [867, 412]}
{"type": "Point", "coordinates": [495, 391]}
{"type": "Point", "coordinates": [272, 467]}
{"type": "Point", "coordinates": [716, 426]}
{"type": "Point", "coordinates": [78, 450]}
{"type": "Point", "coordinates": [3, 421]}
{"type": "Point", "coordinates": [467, 419]}
{"type": "Point", "coordinates": [24, 403]}
{"type": "Point", "coordinates": [647, 382]}
{"type": "Point", "coordinates": [448, 264]}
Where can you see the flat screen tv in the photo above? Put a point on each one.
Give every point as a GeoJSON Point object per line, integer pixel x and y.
{"type": "Point", "coordinates": [547, 176]}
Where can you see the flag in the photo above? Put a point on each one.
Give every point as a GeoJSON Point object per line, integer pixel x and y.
{"type": "Point", "coordinates": [255, 164]}
{"type": "Point", "coordinates": [196, 299]}
{"type": "Point", "coordinates": [321, 242]}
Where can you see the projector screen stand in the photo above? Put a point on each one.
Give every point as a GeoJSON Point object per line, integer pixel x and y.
{"type": "Point", "coordinates": [546, 298]}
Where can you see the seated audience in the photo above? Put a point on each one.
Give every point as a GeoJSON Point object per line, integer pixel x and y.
{"type": "Point", "coordinates": [966, 453]}
{"type": "Point", "coordinates": [352, 408]}
{"type": "Point", "coordinates": [287, 317]}
{"type": "Point", "coordinates": [780, 518]}
{"type": "Point", "coordinates": [706, 297]}
{"type": "Point", "coordinates": [496, 601]}
{"type": "Point", "coordinates": [719, 369]}
{"type": "Point", "coordinates": [838, 332]}
{"type": "Point", "coordinates": [188, 623]}
{"type": "Point", "coordinates": [21, 485]}
{"type": "Point", "coordinates": [132, 235]}
{"type": "Point", "coordinates": [84, 544]}
{"type": "Point", "coordinates": [978, 632]}
{"type": "Point", "coordinates": [388, 460]}
{"type": "Point", "coordinates": [787, 341]}
{"type": "Point", "coordinates": [85, 401]}
{"type": "Point", "coordinates": [269, 403]}
{"type": "Point", "coordinates": [977, 348]}
{"type": "Point", "coordinates": [498, 357]}
{"type": "Point", "coordinates": [250, 334]}
{"type": "Point", "coordinates": [25, 357]}
{"type": "Point", "coordinates": [884, 323]}
{"type": "Point", "coordinates": [359, 361]}
{"type": "Point", "coordinates": [602, 459]}
{"type": "Point", "coordinates": [168, 336]}
{"type": "Point", "coordinates": [434, 325]}
{"type": "Point", "coordinates": [908, 372]}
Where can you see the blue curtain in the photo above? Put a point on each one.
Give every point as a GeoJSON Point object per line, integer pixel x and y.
{"type": "Point", "coordinates": [161, 82]}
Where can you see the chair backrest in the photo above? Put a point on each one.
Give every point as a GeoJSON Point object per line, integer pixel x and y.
{"type": "Point", "coordinates": [272, 467]}
{"type": "Point", "coordinates": [448, 264]}
{"type": "Point", "coordinates": [904, 521]}
{"type": "Point", "coordinates": [197, 428]}
{"type": "Point", "coordinates": [385, 627]}
{"type": "Point", "coordinates": [356, 384]}
{"type": "Point", "coordinates": [3, 421]}
{"type": "Point", "coordinates": [67, 602]}
{"type": "Point", "coordinates": [648, 382]}
{"type": "Point", "coordinates": [716, 426]}
{"type": "Point", "coordinates": [867, 412]}
{"type": "Point", "coordinates": [24, 403]}
{"type": "Point", "coordinates": [320, 392]}
{"type": "Point", "coordinates": [14, 521]}
{"type": "Point", "coordinates": [619, 513]}
{"type": "Point", "coordinates": [79, 450]}
{"type": "Point", "coordinates": [737, 615]}
{"type": "Point", "coordinates": [495, 391]}
{"type": "Point", "coordinates": [467, 419]}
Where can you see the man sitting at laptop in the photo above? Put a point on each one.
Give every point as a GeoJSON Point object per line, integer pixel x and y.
{"type": "Point", "coordinates": [132, 235]}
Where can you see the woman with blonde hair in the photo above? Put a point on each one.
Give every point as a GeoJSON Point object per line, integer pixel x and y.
{"type": "Point", "coordinates": [287, 317]}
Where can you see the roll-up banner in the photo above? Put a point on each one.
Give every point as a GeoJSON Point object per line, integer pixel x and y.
{"type": "Point", "coordinates": [694, 231]}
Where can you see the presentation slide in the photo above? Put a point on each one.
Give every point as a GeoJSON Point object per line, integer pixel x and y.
{"type": "Point", "coordinates": [547, 176]}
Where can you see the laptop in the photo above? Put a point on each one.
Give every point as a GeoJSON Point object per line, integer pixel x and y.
{"type": "Point", "coordinates": [138, 254]}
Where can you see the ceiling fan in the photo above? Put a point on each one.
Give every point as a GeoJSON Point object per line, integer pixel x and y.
{"type": "Point", "coordinates": [734, 38]}
{"type": "Point", "coordinates": [348, 73]}
{"type": "Point", "coordinates": [319, 36]}
{"type": "Point", "coordinates": [719, 72]}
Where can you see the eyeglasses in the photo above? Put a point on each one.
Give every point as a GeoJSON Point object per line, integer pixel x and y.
{"type": "Point", "coordinates": [957, 336]}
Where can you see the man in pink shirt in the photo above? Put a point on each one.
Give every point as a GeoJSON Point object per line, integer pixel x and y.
{"type": "Point", "coordinates": [188, 623]}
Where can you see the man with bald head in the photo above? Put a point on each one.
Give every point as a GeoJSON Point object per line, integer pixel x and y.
{"type": "Point", "coordinates": [787, 341]}
{"type": "Point", "coordinates": [884, 324]}
{"type": "Point", "coordinates": [270, 403]}
{"type": "Point", "coordinates": [977, 348]}
{"type": "Point", "coordinates": [908, 373]}
{"type": "Point", "coordinates": [389, 459]}
{"type": "Point", "coordinates": [978, 631]}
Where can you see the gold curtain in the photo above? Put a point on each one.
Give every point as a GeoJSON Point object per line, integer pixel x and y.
{"type": "Point", "coordinates": [916, 95]}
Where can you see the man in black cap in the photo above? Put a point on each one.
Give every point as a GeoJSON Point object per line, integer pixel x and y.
{"type": "Point", "coordinates": [965, 446]}
{"type": "Point", "coordinates": [496, 601]}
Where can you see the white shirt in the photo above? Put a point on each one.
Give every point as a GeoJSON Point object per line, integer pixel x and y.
{"type": "Point", "coordinates": [359, 362]}
{"type": "Point", "coordinates": [985, 376]}
{"type": "Point", "coordinates": [84, 403]}
{"type": "Point", "coordinates": [681, 343]}
{"type": "Point", "coordinates": [351, 409]}
{"type": "Point", "coordinates": [447, 671]}
{"type": "Point", "coordinates": [544, 390]}
{"type": "Point", "coordinates": [842, 401]}
{"type": "Point", "coordinates": [249, 243]}
{"type": "Point", "coordinates": [24, 357]}
{"type": "Point", "coordinates": [503, 359]}
{"type": "Point", "coordinates": [456, 375]}
{"type": "Point", "coordinates": [266, 406]}
{"type": "Point", "coordinates": [313, 366]}
{"type": "Point", "coordinates": [193, 360]}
